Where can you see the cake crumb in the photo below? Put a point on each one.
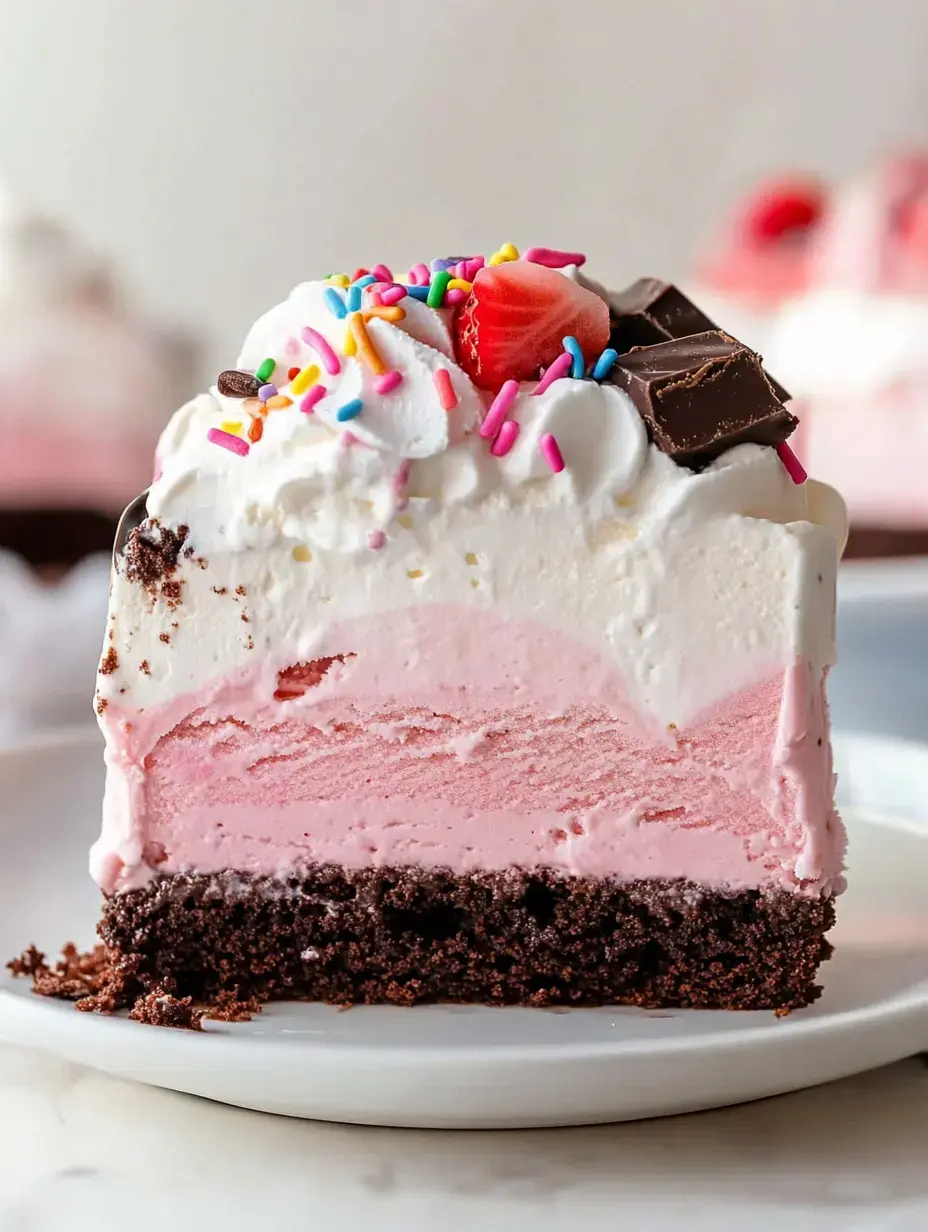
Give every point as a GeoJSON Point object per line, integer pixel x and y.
{"type": "Point", "coordinates": [219, 590]}
{"type": "Point", "coordinates": [161, 1008]}
{"type": "Point", "coordinates": [90, 979]}
{"type": "Point", "coordinates": [110, 662]}
{"type": "Point", "coordinates": [171, 593]}
{"type": "Point", "coordinates": [230, 1006]}
{"type": "Point", "coordinates": [164, 637]}
{"type": "Point", "coordinates": [145, 668]}
{"type": "Point", "coordinates": [102, 704]}
{"type": "Point", "coordinates": [28, 963]}
{"type": "Point", "coordinates": [153, 551]}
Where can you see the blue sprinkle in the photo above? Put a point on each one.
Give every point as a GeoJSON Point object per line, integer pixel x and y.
{"type": "Point", "coordinates": [354, 297]}
{"type": "Point", "coordinates": [572, 347]}
{"type": "Point", "coordinates": [416, 292]}
{"type": "Point", "coordinates": [364, 281]}
{"type": "Point", "coordinates": [349, 410]}
{"type": "Point", "coordinates": [604, 364]}
{"type": "Point", "coordinates": [267, 391]}
{"type": "Point", "coordinates": [334, 302]}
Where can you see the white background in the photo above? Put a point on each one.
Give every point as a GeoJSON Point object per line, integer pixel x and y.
{"type": "Point", "coordinates": [224, 149]}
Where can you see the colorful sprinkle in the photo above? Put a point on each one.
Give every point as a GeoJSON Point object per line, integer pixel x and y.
{"type": "Point", "coordinates": [334, 302]}
{"type": "Point", "coordinates": [265, 370]}
{"type": "Point", "coordinates": [232, 426]}
{"type": "Point", "coordinates": [360, 272]}
{"type": "Point", "coordinates": [420, 275]}
{"type": "Point", "coordinates": [364, 280]}
{"type": "Point", "coordinates": [572, 347]}
{"type": "Point", "coordinates": [499, 409]}
{"type": "Point", "coordinates": [472, 266]}
{"type": "Point", "coordinates": [267, 391]}
{"type": "Point", "coordinates": [293, 372]}
{"type": "Point", "coordinates": [455, 296]}
{"type": "Point", "coordinates": [437, 288]}
{"type": "Point", "coordinates": [304, 378]}
{"type": "Point", "coordinates": [506, 439]}
{"type": "Point", "coordinates": [234, 444]}
{"type": "Point", "coordinates": [349, 410]}
{"type": "Point", "coordinates": [794, 467]}
{"type": "Point", "coordinates": [313, 338]}
{"type": "Point", "coordinates": [376, 540]}
{"type": "Point", "coordinates": [401, 478]}
{"type": "Point", "coordinates": [459, 284]}
{"type": "Point", "coordinates": [340, 280]}
{"type": "Point", "coordinates": [554, 258]}
{"type": "Point", "coordinates": [505, 252]}
{"type": "Point", "coordinates": [441, 264]}
{"type": "Point", "coordinates": [368, 352]}
{"type": "Point", "coordinates": [559, 368]}
{"type": "Point", "coordinates": [354, 297]}
{"type": "Point", "coordinates": [350, 345]}
{"type": "Point", "coordinates": [388, 382]}
{"type": "Point", "coordinates": [382, 273]}
{"type": "Point", "coordinates": [416, 292]}
{"type": "Point", "coordinates": [392, 315]}
{"type": "Point", "coordinates": [279, 402]}
{"type": "Point", "coordinates": [316, 394]}
{"type": "Point", "coordinates": [446, 395]}
{"type": "Point", "coordinates": [552, 453]}
{"type": "Point", "coordinates": [603, 365]}
{"type": "Point", "coordinates": [393, 295]}
{"type": "Point", "coordinates": [256, 429]}
{"type": "Point", "coordinates": [376, 299]}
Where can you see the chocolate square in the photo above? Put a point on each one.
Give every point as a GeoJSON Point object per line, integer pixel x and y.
{"type": "Point", "coordinates": [701, 395]}
{"type": "Point", "coordinates": [652, 311]}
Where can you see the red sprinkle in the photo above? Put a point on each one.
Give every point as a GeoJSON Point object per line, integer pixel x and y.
{"type": "Point", "coordinates": [359, 273]}
{"type": "Point", "coordinates": [446, 395]}
{"type": "Point", "coordinates": [292, 372]}
{"type": "Point", "coordinates": [794, 467]}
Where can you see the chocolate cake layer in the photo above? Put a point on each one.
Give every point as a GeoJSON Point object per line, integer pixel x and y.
{"type": "Point", "coordinates": [407, 935]}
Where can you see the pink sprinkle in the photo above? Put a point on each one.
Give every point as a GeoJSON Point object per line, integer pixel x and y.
{"type": "Point", "coordinates": [794, 467]}
{"type": "Point", "coordinates": [474, 264]}
{"type": "Point", "coordinates": [388, 382]}
{"type": "Point", "coordinates": [376, 540]}
{"type": "Point", "coordinates": [401, 478]}
{"type": "Point", "coordinates": [420, 275]}
{"type": "Point", "coordinates": [315, 394]}
{"type": "Point", "coordinates": [499, 409]}
{"type": "Point", "coordinates": [553, 257]}
{"type": "Point", "coordinates": [455, 296]}
{"type": "Point", "coordinates": [559, 368]}
{"type": "Point", "coordinates": [460, 270]}
{"type": "Point", "coordinates": [382, 273]}
{"type": "Point", "coordinates": [376, 299]}
{"type": "Point", "coordinates": [552, 453]}
{"type": "Point", "coordinates": [329, 359]}
{"type": "Point", "coordinates": [506, 439]}
{"type": "Point", "coordinates": [379, 286]}
{"type": "Point", "coordinates": [393, 295]}
{"type": "Point", "coordinates": [446, 395]}
{"type": "Point", "coordinates": [234, 444]}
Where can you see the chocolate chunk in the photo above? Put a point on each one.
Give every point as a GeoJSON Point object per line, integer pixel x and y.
{"type": "Point", "coordinates": [652, 311]}
{"type": "Point", "coordinates": [235, 384]}
{"type": "Point", "coordinates": [701, 395]}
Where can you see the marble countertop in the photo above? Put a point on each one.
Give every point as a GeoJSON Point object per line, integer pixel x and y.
{"type": "Point", "coordinates": [79, 1150]}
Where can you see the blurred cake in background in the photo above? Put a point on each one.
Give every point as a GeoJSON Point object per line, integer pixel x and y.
{"type": "Point", "coordinates": [85, 388]}
{"type": "Point", "coordinates": [833, 290]}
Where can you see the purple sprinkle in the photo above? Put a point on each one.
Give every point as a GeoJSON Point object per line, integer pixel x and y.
{"type": "Point", "coordinates": [444, 263]}
{"type": "Point", "coordinates": [267, 391]}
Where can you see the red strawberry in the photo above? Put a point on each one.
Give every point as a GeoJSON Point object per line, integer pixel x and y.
{"type": "Point", "coordinates": [785, 207]}
{"type": "Point", "coordinates": [513, 322]}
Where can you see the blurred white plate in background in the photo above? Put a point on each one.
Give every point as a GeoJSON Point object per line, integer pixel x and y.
{"type": "Point", "coordinates": [471, 1067]}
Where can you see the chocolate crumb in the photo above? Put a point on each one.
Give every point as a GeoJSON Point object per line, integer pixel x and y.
{"type": "Point", "coordinates": [201, 562]}
{"type": "Point", "coordinates": [230, 1006]}
{"type": "Point", "coordinates": [28, 963]}
{"type": "Point", "coordinates": [164, 637]}
{"type": "Point", "coordinates": [102, 704]}
{"type": "Point", "coordinates": [241, 590]}
{"type": "Point", "coordinates": [123, 689]}
{"type": "Point", "coordinates": [94, 980]}
{"type": "Point", "coordinates": [161, 1008]}
{"type": "Point", "coordinates": [144, 668]}
{"type": "Point", "coordinates": [245, 617]}
{"type": "Point", "coordinates": [250, 644]}
{"type": "Point", "coordinates": [219, 590]}
{"type": "Point", "coordinates": [110, 662]}
{"type": "Point", "coordinates": [152, 552]}
{"type": "Point", "coordinates": [171, 592]}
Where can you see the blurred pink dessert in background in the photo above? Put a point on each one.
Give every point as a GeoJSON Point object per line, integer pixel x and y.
{"type": "Point", "coordinates": [85, 388]}
{"type": "Point", "coordinates": [832, 288]}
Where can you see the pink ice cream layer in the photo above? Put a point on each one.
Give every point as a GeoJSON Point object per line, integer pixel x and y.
{"type": "Point", "coordinates": [506, 744]}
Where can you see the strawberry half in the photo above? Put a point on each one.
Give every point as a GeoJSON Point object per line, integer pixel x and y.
{"type": "Point", "coordinates": [784, 208]}
{"type": "Point", "coordinates": [512, 324]}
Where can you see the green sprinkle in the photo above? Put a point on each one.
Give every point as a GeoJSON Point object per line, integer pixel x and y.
{"type": "Point", "coordinates": [437, 288]}
{"type": "Point", "coordinates": [264, 372]}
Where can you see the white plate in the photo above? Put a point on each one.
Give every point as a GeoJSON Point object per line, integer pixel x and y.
{"type": "Point", "coordinates": [472, 1067]}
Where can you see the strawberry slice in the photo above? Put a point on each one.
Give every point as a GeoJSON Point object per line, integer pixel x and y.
{"type": "Point", "coordinates": [512, 324]}
{"type": "Point", "coordinates": [782, 209]}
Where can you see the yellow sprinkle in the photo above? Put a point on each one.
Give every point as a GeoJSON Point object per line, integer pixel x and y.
{"type": "Point", "coordinates": [471, 558]}
{"type": "Point", "coordinates": [302, 381]}
{"type": "Point", "coordinates": [338, 280]}
{"type": "Point", "coordinates": [232, 426]}
{"type": "Point", "coordinates": [278, 402]}
{"type": "Point", "coordinates": [474, 583]}
{"type": "Point", "coordinates": [414, 573]}
{"type": "Point", "coordinates": [302, 553]}
{"type": "Point", "coordinates": [459, 284]}
{"type": "Point", "coordinates": [509, 252]}
{"type": "Point", "coordinates": [405, 520]}
{"type": "Point", "coordinates": [350, 346]}
{"type": "Point", "coordinates": [496, 259]}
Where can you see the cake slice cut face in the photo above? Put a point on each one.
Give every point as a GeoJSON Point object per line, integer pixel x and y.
{"type": "Point", "coordinates": [416, 690]}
